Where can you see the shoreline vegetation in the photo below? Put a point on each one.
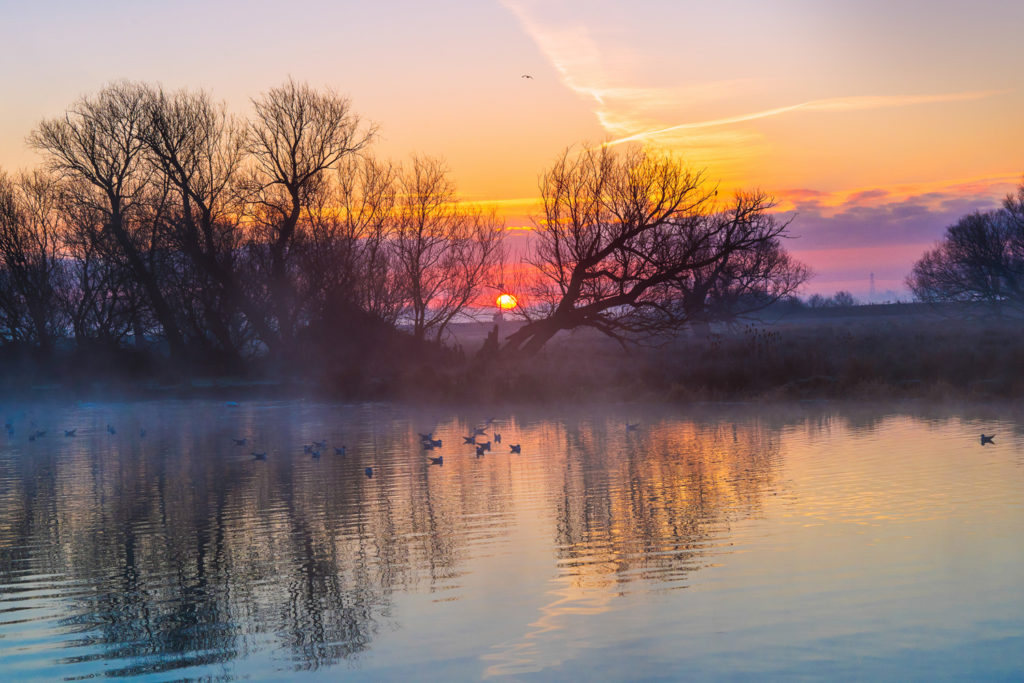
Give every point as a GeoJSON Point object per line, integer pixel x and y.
{"type": "Point", "coordinates": [897, 351]}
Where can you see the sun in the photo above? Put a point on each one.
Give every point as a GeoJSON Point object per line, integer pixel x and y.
{"type": "Point", "coordinates": [506, 301]}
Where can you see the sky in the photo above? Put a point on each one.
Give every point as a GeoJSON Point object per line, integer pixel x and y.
{"type": "Point", "coordinates": [874, 123]}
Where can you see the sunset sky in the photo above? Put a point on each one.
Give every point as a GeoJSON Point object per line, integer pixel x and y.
{"type": "Point", "coordinates": [877, 122]}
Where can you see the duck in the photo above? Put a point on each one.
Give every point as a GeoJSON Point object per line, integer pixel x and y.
{"type": "Point", "coordinates": [111, 430]}
{"type": "Point", "coordinates": [259, 456]}
{"type": "Point", "coordinates": [632, 427]}
{"type": "Point", "coordinates": [486, 445]}
{"type": "Point", "coordinates": [479, 432]}
{"type": "Point", "coordinates": [368, 472]}
{"type": "Point", "coordinates": [426, 437]}
{"type": "Point", "coordinates": [988, 439]}
{"type": "Point", "coordinates": [439, 460]}
{"type": "Point", "coordinates": [514, 448]}
{"type": "Point", "coordinates": [436, 443]}
{"type": "Point", "coordinates": [497, 437]}
{"type": "Point", "coordinates": [470, 439]}
{"type": "Point", "coordinates": [70, 432]}
{"type": "Point", "coordinates": [479, 450]}
{"type": "Point", "coordinates": [339, 451]}
{"type": "Point", "coordinates": [238, 442]}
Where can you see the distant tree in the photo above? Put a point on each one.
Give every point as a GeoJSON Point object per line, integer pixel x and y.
{"type": "Point", "coordinates": [979, 260]}
{"type": "Point", "coordinates": [843, 299]}
{"type": "Point", "coordinates": [635, 246]}
{"type": "Point", "coordinates": [446, 252]}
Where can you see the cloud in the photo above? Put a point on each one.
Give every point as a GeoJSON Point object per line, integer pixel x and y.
{"type": "Point", "coordinates": [835, 104]}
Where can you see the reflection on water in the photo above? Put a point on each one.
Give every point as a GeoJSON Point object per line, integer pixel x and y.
{"type": "Point", "coordinates": [731, 542]}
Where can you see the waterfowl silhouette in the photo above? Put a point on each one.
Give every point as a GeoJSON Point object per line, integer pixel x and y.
{"type": "Point", "coordinates": [426, 437]}
{"type": "Point", "coordinates": [439, 460]}
{"type": "Point", "coordinates": [369, 472]}
{"type": "Point", "coordinates": [238, 442]}
{"type": "Point", "coordinates": [259, 456]}
{"type": "Point", "coordinates": [514, 448]}
{"type": "Point", "coordinates": [320, 444]}
{"type": "Point", "coordinates": [988, 439]}
{"type": "Point", "coordinates": [527, 76]}
{"type": "Point", "coordinates": [479, 450]}
{"type": "Point", "coordinates": [470, 439]}
{"type": "Point", "coordinates": [339, 451]}
{"type": "Point", "coordinates": [306, 448]}
{"type": "Point", "coordinates": [111, 430]}
{"type": "Point", "coordinates": [70, 432]}
{"type": "Point", "coordinates": [497, 437]}
{"type": "Point", "coordinates": [436, 443]}
{"type": "Point", "coordinates": [486, 445]}
{"type": "Point", "coordinates": [428, 445]}
{"type": "Point", "coordinates": [315, 454]}
{"type": "Point", "coordinates": [632, 427]}
{"type": "Point", "coordinates": [479, 432]}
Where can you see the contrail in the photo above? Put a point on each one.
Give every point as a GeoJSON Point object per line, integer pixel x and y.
{"type": "Point", "coordinates": [830, 104]}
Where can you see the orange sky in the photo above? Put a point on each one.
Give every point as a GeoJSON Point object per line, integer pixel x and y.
{"type": "Point", "coordinates": [877, 124]}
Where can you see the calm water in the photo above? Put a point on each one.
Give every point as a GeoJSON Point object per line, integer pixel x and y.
{"type": "Point", "coordinates": [723, 543]}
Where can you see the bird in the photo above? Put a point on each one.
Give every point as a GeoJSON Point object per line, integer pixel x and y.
{"type": "Point", "coordinates": [439, 460]}
{"type": "Point", "coordinates": [339, 451]}
{"type": "Point", "coordinates": [231, 404]}
{"type": "Point", "coordinates": [497, 437]}
{"type": "Point", "coordinates": [369, 472]}
{"type": "Point", "coordinates": [479, 450]}
{"type": "Point", "coordinates": [470, 439]}
{"type": "Point", "coordinates": [988, 439]}
{"type": "Point", "coordinates": [514, 448]}
{"type": "Point", "coordinates": [527, 76]}
{"type": "Point", "coordinates": [479, 432]}
{"type": "Point", "coordinates": [486, 445]}
{"type": "Point", "coordinates": [259, 456]}
{"type": "Point", "coordinates": [70, 432]}
{"type": "Point", "coordinates": [632, 427]}
{"type": "Point", "coordinates": [111, 430]}
{"type": "Point", "coordinates": [426, 437]}
{"type": "Point", "coordinates": [436, 443]}
{"type": "Point", "coordinates": [320, 444]}
{"type": "Point", "coordinates": [238, 442]}
{"type": "Point", "coordinates": [306, 448]}
{"type": "Point", "coordinates": [315, 454]}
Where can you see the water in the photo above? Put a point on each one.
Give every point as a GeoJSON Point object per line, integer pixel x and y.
{"type": "Point", "coordinates": [724, 542]}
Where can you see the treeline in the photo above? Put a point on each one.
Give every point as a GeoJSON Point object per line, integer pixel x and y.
{"type": "Point", "coordinates": [160, 220]}
{"type": "Point", "coordinates": [160, 217]}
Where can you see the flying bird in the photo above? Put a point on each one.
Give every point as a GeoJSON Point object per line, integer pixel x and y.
{"type": "Point", "coordinates": [528, 76]}
{"type": "Point", "coordinates": [988, 439]}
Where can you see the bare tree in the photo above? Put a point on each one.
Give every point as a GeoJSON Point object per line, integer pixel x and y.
{"type": "Point", "coordinates": [99, 141]}
{"type": "Point", "coordinates": [624, 240]}
{"type": "Point", "coordinates": [980, 260]}
{"type": "Point", "coordinates": [200, 150]}
{"type": "Point", "coordinates": [30, 249]}
{"type": "Point", "coordinates": [297, 136]}
{"type": "Point", "coordinates": [447, 253]}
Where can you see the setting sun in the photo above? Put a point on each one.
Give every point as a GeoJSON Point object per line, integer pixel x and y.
{"type": "Point", "coordinates": [506, 301]}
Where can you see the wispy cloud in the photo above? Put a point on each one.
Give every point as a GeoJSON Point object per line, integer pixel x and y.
{"type": "Point", "coordinates": [834, 104]}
